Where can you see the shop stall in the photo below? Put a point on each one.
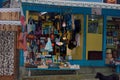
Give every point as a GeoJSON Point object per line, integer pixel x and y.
{"type": "Point", "coordinates": [48, 41]}
{"type": "Point", "coordinates": [69, 34]}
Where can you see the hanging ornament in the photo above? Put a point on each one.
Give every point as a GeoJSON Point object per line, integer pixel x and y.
{"type": "Point", "coordinates": [59, 43]}
{"type": "Point", "coordinates": [63, 24]}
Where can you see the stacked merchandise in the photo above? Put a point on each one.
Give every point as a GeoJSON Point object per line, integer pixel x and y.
{"type": "Point", "coordinates": [9, 22]}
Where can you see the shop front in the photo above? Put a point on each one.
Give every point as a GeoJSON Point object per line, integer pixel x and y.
{"type": "Point", "coordinates": [52, 38]}
{"type": "Point", "coordinates": [68, 34]}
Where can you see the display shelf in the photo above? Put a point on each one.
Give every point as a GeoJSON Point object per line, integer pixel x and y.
{"type": "Point", "coordinates": [112, 40]}
{"type": "Point", "coordinates": [113, 28]}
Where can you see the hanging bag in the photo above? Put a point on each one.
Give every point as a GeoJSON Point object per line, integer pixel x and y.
{"type": "Point", "coordinates": [30, 26]}
{"type": "Point", "coordinates": [30, 29]}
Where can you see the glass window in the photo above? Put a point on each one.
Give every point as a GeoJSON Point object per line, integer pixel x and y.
{"type": "Point", "coordinates": [95, 23]}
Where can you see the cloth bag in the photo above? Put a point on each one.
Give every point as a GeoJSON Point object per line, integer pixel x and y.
{"type": "Point", "coordinates": [30, 26]}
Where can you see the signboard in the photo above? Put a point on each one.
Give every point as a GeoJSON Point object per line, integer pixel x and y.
{"type": "Point", "coordinates": [96, 11]}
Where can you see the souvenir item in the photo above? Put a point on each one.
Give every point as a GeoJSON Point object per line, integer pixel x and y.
{"type": "Point", "coordinates": [59, 43]}
{"type": "Point", "coordinates": [52, 36]}
{"type": "Point", "coordinates": [38, 32]}
{"type": "Point", "coordinates": [73, 25]}
{"type": "Point", "coordinates": [30, 26]}
{"type": "Point", "coordinates": [22, 20]}
{"type": "Point", "coordinates": [20, 40]}
{"type": "Point", "coordinates": [31, 36]}
{"type": "Point", "coordinates": [72, 43]}
{"type": "Point", "coordinates": [24, 41]}
{"type": "Point", "coordinates": [77, 38]}
{"type": "Point", "coordinates": [48, 46]}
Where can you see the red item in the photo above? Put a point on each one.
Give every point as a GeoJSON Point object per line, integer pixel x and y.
{"type": "Point", "coordinates": [53, 44]}
{"type": "Point", "coordinates": [52, 36]}
{"type": "Point", "coordinates": [22, 19]}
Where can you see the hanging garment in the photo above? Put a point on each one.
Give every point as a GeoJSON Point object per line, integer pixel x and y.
{"type": "Point", "coordinates": [25, 55]}
{"type": "Point", "coordinates": [72, 42]}
{"type": "Point", "coordinates": [25, 42]}
{"type": "Point", "coordinates": [22, 17]}
{"type": "Point", "coordinates": [38, 31]}
{"type": "Point", "coordinates": [22, 44]}
{"type": "Point", "coordinates": [31, 36]}
{"type": "Point", "coordinates": [48, 46]}
{"type": "Point", "coordinates": [20, 41]}
{"type": "Point", "coordinates": [73, 24]}
{"type": "Point", "coordinates": [77, 38]}
{"type": "Point", "coordinates": [30, 26]}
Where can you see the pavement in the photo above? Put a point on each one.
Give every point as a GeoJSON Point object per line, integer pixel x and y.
{"type": "Point", "coordinates": [85, 73]}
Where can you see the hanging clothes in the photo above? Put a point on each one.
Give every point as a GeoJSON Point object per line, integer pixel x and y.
{"type": "Point", "coordinates": [31, 26]}
{"type": "Point", "coordinates": [20, 41]}
{"type": "Point", "coordinates": [48, 46]}
{"type": "Point", "coordinates": [24, 41]}
{"type": "Point", "coordinates": [77, 38]}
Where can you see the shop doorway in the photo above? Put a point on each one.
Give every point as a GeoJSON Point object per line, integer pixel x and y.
{"type": "Point", "coordinates": [77, 52]}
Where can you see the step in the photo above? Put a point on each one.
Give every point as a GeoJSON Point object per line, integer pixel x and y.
{"type": "Point", "coordinates": [59, 77]}
{"type": "Point", "coordinates": [85, 73]}
{"type": "Point", "coordinates": [94, 70]}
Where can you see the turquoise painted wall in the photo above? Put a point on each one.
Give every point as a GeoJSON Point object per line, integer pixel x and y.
{"type": "Point", "coordinates": [1, 3]}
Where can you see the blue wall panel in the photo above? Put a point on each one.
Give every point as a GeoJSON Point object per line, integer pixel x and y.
{"type": "Point", "coordinates": [21, 52]}
{"type": "Point", "coordinates": [110, 12]}
{"type": "Point", "coordinates": [1, 3]}
{"type": "Point", "coordinates": [88, 62]}
{"type": "Point", "coordinates": [84, 39]}
{"type": "Point", "coordinates": [51, 8]}
{"type": "Point", "coordinates": [81, 10]}
{"type": "Point", "coordinates": [104, 36]}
